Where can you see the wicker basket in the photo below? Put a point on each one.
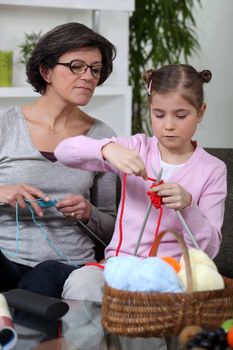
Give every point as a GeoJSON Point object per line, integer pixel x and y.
{"type": "Point", "coordinates": [152, 314]}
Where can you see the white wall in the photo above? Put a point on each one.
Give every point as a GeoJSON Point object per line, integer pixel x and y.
{"type": "Point", "coordinates": [215, 32]}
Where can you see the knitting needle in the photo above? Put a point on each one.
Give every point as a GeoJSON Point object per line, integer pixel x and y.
{"type": "Point", "coordinates": [158, 178]}
{"type": "Point", "coordinates": [91, 233]}
{"type": "Point", "coordinates": [181, 218]}
{"type": "Point", "coordinates": [187, 228]}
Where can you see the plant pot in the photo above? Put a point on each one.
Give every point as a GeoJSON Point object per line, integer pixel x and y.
{"type": "Point", "coordinates": [6, 65]}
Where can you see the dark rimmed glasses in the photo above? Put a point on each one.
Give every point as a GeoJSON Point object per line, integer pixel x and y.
{"type": "Point", "coordinates": [79, 67]}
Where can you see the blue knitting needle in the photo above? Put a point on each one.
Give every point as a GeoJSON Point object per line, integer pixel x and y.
{"type": "Point", "coordinates": [158, 178]}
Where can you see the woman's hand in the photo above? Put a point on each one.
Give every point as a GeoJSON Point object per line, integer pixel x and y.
{"type": "Point", "coordinates": [173, 195]}
{"type": "Point", "coordinates": [75, 206]}
{"type": "Point", "coordinates": [18, 193]}
{"type": "Point", "coordinates": [124, 159]}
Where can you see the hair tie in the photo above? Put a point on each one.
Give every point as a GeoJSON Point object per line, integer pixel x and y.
{"type": "Point", "coordinates": [149, 88]}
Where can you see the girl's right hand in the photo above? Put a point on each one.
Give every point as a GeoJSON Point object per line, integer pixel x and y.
{"type": "Point", "coordinates": [18, 193]}
{"type": "Point", "coordinates": [124, 159]}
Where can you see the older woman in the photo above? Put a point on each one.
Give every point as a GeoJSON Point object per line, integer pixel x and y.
{"type": "Point", "coordinates": [42, 247]}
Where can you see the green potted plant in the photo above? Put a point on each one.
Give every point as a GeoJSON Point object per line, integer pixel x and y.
{"type": "Point", "coordinates": [30, 41]}
{"type": "Point", "coordinates": [161, 32]}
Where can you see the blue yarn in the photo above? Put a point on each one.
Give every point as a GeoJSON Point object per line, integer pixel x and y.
{"type": "Point", "coordinates": [118, 269]}
{"type": "Point", "coordinates": [43, 204]}
{"type": "Point", "coordinates": [143, 275]}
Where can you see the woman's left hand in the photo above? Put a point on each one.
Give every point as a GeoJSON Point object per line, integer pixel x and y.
{"type": "Point", "coordinates": [173, 195]}
{"type": "Point", "coordinates": [75, 207]}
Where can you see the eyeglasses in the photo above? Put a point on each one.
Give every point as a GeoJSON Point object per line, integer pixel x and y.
{"type": "Point", "coordinates": [80, 67]}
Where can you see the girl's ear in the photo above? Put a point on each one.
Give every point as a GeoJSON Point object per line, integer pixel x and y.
{"type": "Point", "coordinates": [45, 73]}
{"type": "Point", "coordinates": [201, 112]}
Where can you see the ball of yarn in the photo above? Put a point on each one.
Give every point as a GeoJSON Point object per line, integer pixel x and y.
{"type": "Point", "coordinates": [137, 274]}
{"type": "Point", "coordinates": [117, 269]}
{"type": "Point", "coordinates": [204, 278]}
{"type": "Point", "coordinates": [154, 275]}
{"type": "Point", "coordinates": [173, 262]}
{"type": "Point", "coordinates": [197, 256]}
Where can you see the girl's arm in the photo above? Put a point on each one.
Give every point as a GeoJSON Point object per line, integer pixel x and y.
{"type": "Point", "coordinates": [115, 154]}
{"type": "Point", "coordinates": [205, 218]}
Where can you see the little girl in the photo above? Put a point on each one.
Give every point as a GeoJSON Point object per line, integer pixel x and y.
{"type": "Point", "coordinates": [194, 181]}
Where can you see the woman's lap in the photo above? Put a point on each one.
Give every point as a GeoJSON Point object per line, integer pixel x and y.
{"type": "Point", "coordinates": [46, 278]}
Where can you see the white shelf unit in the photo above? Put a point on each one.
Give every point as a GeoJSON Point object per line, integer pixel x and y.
{"type": "Point", "coordinates": [111, 102]}
{"type": "Point", "coordinates": [113, 5]}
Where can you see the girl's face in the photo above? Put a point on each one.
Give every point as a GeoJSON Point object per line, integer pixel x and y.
{"type": "Point", "coordinates": [174, 121]}
{"type": "Point", "coordinates": [76, 89]}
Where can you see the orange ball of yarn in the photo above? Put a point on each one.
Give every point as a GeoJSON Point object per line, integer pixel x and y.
{"type": "Point", "coordinates": [173, 262]}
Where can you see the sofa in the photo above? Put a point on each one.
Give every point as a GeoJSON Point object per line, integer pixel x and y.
{"type": "Point", "coordinates": [224, 259]}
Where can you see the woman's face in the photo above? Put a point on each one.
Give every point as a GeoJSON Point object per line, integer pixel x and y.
{"type": "Point", "coordinates": [174, 120]}
{"type": "Point", "coordinates": [74, 88]}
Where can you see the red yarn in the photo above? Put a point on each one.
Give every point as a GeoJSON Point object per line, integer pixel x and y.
{"type": "Point", "coordinates": [95, 264]}
{"type": "Point", "coordinates": [156, 201]}
{"type": "Point", "coordinates": [121, 214]}
{"type": "Point", "coordinates": [154, 197]}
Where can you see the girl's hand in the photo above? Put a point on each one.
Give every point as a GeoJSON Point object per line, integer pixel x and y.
{"type": "Point", "coordinates": [12, 194]}
{"type": "Point", "coordinates": [124, 159]}
{"type": "Point", "coordinates": [173, 195]}
{"type": "Point", "coordinates": [75, 206]}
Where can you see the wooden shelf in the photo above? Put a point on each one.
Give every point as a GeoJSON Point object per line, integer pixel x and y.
{"type": "Point", "coordinates": [114, 5]}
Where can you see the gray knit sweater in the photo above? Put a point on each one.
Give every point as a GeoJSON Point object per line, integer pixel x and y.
{"type": "Point", "coordinates": [21, 162]}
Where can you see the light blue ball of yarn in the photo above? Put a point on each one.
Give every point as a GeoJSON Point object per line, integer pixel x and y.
{"type": "Point", "coordinates": [118, 269]}
{"type": "Point", "coordinates": [154, 275]}
{"type": "Point", "coordinates": [143, 275]}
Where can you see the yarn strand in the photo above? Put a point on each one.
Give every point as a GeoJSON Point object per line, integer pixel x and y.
{"type": "Point", "coordinates": [155, 200]}
{"type": "Point", "coordinates": [121, 214]}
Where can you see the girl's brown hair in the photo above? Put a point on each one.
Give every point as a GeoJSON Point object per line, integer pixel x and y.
{"type": "Point", "coordinates": [181, 78]}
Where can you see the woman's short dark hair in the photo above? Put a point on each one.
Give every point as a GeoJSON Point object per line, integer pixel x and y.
{"type": "Point", "coordinates": [61, 39]}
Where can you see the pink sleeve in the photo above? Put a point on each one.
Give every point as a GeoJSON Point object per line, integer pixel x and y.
{"type": "Point", "coordinates": [205, 219]}
{"type": "Point", "coordinates": [83, 152]}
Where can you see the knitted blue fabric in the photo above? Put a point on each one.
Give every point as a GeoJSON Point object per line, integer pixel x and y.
{"type": "Point", "coordinates": [42, 204]}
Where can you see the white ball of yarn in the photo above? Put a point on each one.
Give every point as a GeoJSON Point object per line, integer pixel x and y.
{"type": "Point", "coordinates": [204, 278]}
{"type": "Point", "coordinates": [197, 256]}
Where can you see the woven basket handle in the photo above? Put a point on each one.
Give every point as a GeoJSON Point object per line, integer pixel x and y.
{"type": "Point", "coordinates": [184, 250]}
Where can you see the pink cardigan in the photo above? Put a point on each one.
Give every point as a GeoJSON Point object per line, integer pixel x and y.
{"type": "Point", "coordinates": [203, 175]}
